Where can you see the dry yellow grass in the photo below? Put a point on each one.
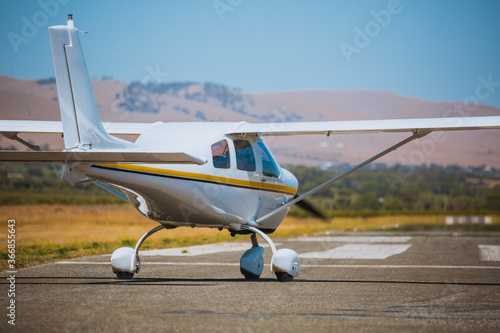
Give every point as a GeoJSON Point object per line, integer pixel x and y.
{"type": "Point", "coordinates": [45, 232]}
{"type": "Point", "coordinates": [39, 224]}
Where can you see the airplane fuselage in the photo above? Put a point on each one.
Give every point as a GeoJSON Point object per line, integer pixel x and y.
{"type": "Point", "coordinates": [240, 182]}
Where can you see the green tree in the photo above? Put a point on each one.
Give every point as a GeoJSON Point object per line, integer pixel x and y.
{"type": "Point", "coordinates": [367, 201]}
{"type": "Point", "coordinates": [393, 204]}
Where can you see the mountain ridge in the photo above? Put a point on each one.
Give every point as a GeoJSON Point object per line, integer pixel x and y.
{"type": "Point", "coordinates": [191, 101]}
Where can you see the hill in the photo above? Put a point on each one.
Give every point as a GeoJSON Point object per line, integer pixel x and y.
{"type": "Point", "coordinates": [190, 101]}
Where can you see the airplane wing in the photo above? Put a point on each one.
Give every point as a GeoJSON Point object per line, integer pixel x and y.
{"type": "Point", "coordinates": [10, 129]}
{"type": "Point", "coordinates": [55, 127]}
{"type": "Point", "coordinates": [369, 126]}
{"type": "Point", "coordinates": [282, 129]}
{"type": "Point", "coordinates": [97, 157]}
{"type": "Point", "coordinates": [419, 128]}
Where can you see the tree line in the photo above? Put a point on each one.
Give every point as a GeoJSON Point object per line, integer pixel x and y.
{"type": "Point", "coordinates": [376, 188]}
{"type": "Point", "coordinates": [399, 188]}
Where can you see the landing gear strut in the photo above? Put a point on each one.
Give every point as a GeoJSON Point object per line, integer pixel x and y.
{"type": "Point", "coordinates": [125, 261]}
{"type": "Point", "coordinates": [284, 263]}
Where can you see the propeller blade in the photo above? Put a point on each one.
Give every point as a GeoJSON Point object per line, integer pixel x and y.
{"type": "Point", "coordinates": [310, 208]}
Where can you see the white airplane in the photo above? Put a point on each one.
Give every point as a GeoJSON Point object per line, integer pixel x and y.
{"type": "Point", "coordinates": [206, 175]}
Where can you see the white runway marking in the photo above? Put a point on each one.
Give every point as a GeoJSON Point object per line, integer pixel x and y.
{"type": "Point", "coordinates": [201, 249]}
{"type": "Point", "coordinates": [359, 251]}
{"type": "Point", "coordinates": [354, 239]}
{"type": "Point", "coordinates": [489, 252]}
{"type": "Point", "coordinates": [315, 266]}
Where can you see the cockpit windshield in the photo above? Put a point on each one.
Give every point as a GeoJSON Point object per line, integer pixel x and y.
{"type": "Point", "coordinates": [269, 166]}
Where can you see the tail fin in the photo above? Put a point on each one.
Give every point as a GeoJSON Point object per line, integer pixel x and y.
{"type": "Point", "coordinates": [82, 126]}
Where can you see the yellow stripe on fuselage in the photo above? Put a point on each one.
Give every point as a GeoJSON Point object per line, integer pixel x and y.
{"type": "Point", "coordinates": [200, 176]}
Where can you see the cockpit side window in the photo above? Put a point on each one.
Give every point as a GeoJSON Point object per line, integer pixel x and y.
{"type": "Point", "coordinates": [220, 154]}
{"type": "Point", "coordinates": [245, 158]}
{"type": "Point", "coordinates": [269, 166]}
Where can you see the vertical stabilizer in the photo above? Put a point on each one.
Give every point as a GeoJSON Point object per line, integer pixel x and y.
{"type": "Point", "coordinates": [82, 125]}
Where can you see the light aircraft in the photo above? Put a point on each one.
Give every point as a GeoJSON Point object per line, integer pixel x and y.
{"type": "Point", "coordinates": [206, 175]}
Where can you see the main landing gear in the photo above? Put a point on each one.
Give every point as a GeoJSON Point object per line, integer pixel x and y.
{"type": "Point", "coordinates": [284, 263]}
{"type": "Point", "coordinates": [125, 261]}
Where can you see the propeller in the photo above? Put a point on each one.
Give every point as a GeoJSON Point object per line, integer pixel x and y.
{"type": "Point", "coordinates": [307, 206]}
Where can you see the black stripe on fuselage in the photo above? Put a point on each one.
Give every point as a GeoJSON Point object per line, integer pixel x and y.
{"type": "Point", "coordinates": [186, 178]}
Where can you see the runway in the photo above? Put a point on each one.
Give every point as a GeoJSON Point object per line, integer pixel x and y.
{"type": "Point", "coordinates": [377, 282]}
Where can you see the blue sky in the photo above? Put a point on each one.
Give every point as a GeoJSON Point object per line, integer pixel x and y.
{"type": "Point", "coordinates": [435, 50]}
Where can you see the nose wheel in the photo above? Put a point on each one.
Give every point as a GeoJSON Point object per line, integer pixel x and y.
{"type": "Point", "coordinates": [284, 263]}
{"type": "Point", "coordinates": [124, 275]}
{"type": "Point", "coordinates": [283, 277]}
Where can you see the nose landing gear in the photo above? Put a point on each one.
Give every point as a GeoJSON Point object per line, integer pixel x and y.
{"type": "Point", "coordinates": [284, 263]}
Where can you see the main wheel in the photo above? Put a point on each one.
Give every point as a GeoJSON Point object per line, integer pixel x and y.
{"type": "Point", "coordinates": [284, 277]}
{"type": "Point", "coordinates": [250, 276]}
{"type": "Point", "coordinates": [124, 275]}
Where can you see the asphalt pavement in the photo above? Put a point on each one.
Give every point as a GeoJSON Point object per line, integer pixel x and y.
{"type": "Point", "coordinates": [376, 282]}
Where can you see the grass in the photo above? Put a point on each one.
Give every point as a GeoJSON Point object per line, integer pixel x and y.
{"type": "Point", "coordinates": [46, 233]}
{"type": "Point", "coordinates": [64, 197]}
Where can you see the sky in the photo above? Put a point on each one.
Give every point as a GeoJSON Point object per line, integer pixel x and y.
{"type": "Point", "coordinates": [435, 50]}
